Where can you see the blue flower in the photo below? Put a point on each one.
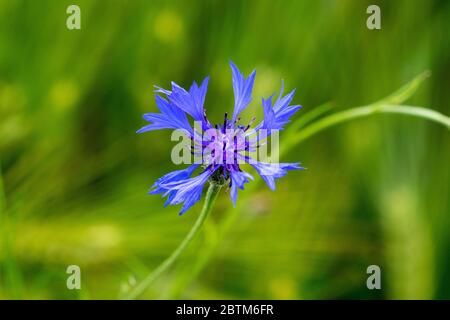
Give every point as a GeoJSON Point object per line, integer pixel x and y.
{"type": "Point", "coordinates": [222, 148]}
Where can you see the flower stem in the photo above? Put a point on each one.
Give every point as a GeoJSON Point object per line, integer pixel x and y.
{"type": "Point", "coordinates": [211, 196]}
{"type": "Point", "coordinates": [359, 112]}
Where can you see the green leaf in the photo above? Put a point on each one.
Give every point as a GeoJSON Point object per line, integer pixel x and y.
{"type": "Point", "coordinates": [405, 92]}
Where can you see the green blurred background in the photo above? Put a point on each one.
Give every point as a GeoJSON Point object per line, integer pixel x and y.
{"type": "Point", "coordinates": [74, 175]}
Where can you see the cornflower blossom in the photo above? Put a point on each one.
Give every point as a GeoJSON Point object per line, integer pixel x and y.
{"type": "Point", "coordinates": [221, 148]}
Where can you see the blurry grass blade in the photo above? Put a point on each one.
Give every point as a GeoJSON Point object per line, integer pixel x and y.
{"type": "Point", "coordinates": [305, 119]}
{"type": "Point", "coordinates": [310, 116]}
{"type": "Point", "coordinates": [405, 92]}
{"type": "Point", "coordinates": [9, 271]}
{"type": "Point", "coordinates": [366, 111]}
{"type": "Point", "coordinates": [419, 112]}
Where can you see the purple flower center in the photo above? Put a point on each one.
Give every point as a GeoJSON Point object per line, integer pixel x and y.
{"type": "Point", "coordinates": [222, 144]}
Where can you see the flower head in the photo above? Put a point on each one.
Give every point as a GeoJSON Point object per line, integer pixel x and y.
{"type": "Point", "coordinates": [222, 148]}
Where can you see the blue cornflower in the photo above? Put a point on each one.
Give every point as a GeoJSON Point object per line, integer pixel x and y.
{"type": "Point", "coordinates": [223, 147]}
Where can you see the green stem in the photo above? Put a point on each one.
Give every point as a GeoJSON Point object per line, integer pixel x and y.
{"type": "Point", "coordinates": [211, 196]}
{"type": "Point", "coordinates": [366, 111]}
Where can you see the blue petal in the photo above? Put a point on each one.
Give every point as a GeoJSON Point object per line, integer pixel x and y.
{"type": "Point", "coordinates": [282, 108]}
{"type": "Point", "coordinates": [187, 191]}
{"type": "Point", "coordinates": [198, 95]}
{"type": "Point", "coordinates": [238, 179]}
{"type": "Point", "coordinates": [284, 114]}
{"type": "Point", "coordinates": [283, 101]}
{"type": "Point", "coordinates": [276, 117]}
{"type": "Point", "coordinates": [191, 102]}
{"type": "Point", "coordinates": [171, 117]}
{"type": "Point", "coordinates": [242, 88]}
{"type": "Point", "coordinates": [270, 118]}
{"type": "Point", "coordinates": [273, 171]}
{"type": "Point", "coordinates": [172, 177]}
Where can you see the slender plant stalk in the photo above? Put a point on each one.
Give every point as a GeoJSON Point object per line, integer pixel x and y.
{"type": "Point", "coordinates": [366, 111]}
{"type": "Point", "coordinates": [308, 117]}
{"type": "Point", "coordinates": [211, 196]}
